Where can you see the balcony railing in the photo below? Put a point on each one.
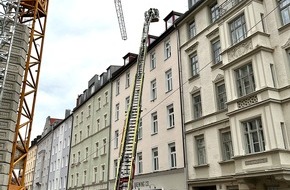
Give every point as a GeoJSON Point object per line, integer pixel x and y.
{"type": "Point", "coordinates": [225, 7]}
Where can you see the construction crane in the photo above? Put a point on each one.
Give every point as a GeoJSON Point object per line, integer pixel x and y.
{"type": "Point", "coordinates": [126, 161]}
{"type": "Point", "coordinates": [121, 21]}
{"type": "Point", "coordinates": [33, 15]}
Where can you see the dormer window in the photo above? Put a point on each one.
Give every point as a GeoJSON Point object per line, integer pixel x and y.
{"type": "Point", "coordinates": [127, 60]}
{"type": "Point", "coordinates": [171, 18]}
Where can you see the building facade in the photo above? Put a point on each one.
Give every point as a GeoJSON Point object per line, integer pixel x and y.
{"type": "Point", "coordinates": [159, 160]}
{"type": "Point", "coordinates": [42, 165]}
{"type": "Point", "coordinates": [89, 157]}
{"type": "Point", "coordinates": [59, 159]}
{"type": "Point", "coordinates": [236, 82]}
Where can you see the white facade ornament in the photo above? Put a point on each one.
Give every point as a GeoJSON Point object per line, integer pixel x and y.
{"type": "Point", "coordinates": [240, 50]}
{"type": "Point", "coordinates": [287, 44]}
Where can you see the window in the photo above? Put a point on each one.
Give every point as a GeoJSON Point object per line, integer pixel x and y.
{"type": "Point", "coordinates": [140, 132]}
{"type": "Point", "coordinates": [105, 120]}
{"type": "Point", "coordinates": [72, 181]}
{"type": "Point", "coordinates": [254, 135]}
{"type": "Point", "coordinates": [238, 29]}
{"type": "Point", "coordinates": [77, 179]}
{"type": "Point", "coordinates": [79, 156]}
{"type": "Point", "coordinates": [284, 6]}
{"type": "Point", "coordinates": [245, 80]}
{"type": "Point", "coordinates": [103, 173]}
{"type": "Point", "coordinates": [117, 111]}
{"type": "Point", "coordinates": [76, 138]}
{"type": "Point", "coordinates": [104, 146]}
{"type": "Point", "coordinates": [117, 87]}
{"type": "Point", "coordinates": [116, 139]}
{"type": "Point", "coordinates": [115, 167]}
{"type": "Point", "coordinates": [214, 10]}
{"type": "Point", "coordinates": [197, 109]}
{"type": "Point", "coordinates": [82, 117]}
{"type": "Point", "coordinates": [192, 2]}
{"type": "Point", "coordinates": [97, 149]}
{"type": "Point", "coordinates": [88, 131]}
{"type": "Point", "coordinates": [81, 134]}
{"type": "Point", "coordinates": [155, 161]}
{"type": "Point", "coordinates": [95, 174]}
{"type": "Point", "coordinates": [221, 96]}
{"type": "Point", "coordinates": [194, 65]}
{"type": "Point", "coordinates": [154, 123]}
{"type": "Point", "coordinates": [139, 163]}
{"type": "Point", "coordinates": [127, 103]}
{"type": "Point", "coordinates": [127, 79]}
{"type": "Point", "coordinates": [98, 124]}
{"type": "Point", "coordinates": [172, 155]}
{"type": "Point", "coordinates": [227, 147]}
{"type": "Point", "coordinates": [200, 147]}
{"type": "Point", "coordinates": [152, 61]}
{"type": "Point", "coordinates": [106, 97]}
{"type": "Point", "coordinates": [87, 153]}
{"type": "Point", "coordinates": [170, 113]}
{"type": "Point", "coordinates": [89, 110]}
{"type": "Point", "coordinates": [167, 49]}
{"type": "Point", "coordinates": [85, 177]}
{"type": "Point", "coordinates": [99, 103]}
{"type": "Point", "coordinates": [192, 29]}
{"type": "Point", "coordinates": [153, 90]}
{"type": "Point", "coordinates": [216, 50]}
{"type": "Point", "coordinates": [168, 78]}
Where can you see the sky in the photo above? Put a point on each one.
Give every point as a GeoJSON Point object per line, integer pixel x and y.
{"type": "Point", "coordinates": [83, 39]}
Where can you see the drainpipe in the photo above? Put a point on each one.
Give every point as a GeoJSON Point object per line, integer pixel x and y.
{"type": "Point", "coordinates": [182, 106]}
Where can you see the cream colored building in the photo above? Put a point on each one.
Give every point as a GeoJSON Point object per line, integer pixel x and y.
{"type": "Point", "coordinates": [159, 160]}
{"type": "Point", "coordinates": [235, 58]}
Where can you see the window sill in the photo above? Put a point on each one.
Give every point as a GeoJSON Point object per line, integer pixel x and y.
{"type": "Point", "coordinates": [85, 161]}
{"type": "Point", "coordinates": [166, 58]}
{"type": "Point", "coordinates": [226, 161]}
{"type": "Point", "coordinates": [168, 128]}
{"type": "Point", "coordinates": [105, 104]}
{"type": "Point", "coordinates": [194, 77]}
{"type": "Point", "coordinates": [168, 91]}
{"type": "Point", "coordinates": [95, 157]}
{"type": "Point", "coordinates": [283, 28]}
{"type": "Point", "coordinates": [152, 134]}
{"type": "Point", "coordinates": [216, 65]}
{"type": "Point", "coordinates": [152, 100]}
{"type": "Point", "coordinates": [201, 166]}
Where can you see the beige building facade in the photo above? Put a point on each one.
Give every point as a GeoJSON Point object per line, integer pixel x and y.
{"type": "Point", "coordinates": [236, 87]}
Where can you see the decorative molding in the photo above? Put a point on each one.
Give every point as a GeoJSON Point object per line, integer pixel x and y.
{"type": "Point", "coordinates": [256, 161]}
{"type": "Point", "coordinates": [287, 44]}
{"type": "Point", "coordinates": [191, 48]}
{"type": "Point", "coordinates": [247, 102]}
{"type": "Point", "coordinates": [218, 78]}
{"type": "Point", "coordinates": [213, 34]}
{"type": "Point", "coordinates": [240, 50]}
{"type": "Point", "coordinates": [194, 90]}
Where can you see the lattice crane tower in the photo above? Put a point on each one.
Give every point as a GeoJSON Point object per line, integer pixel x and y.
{"type": "Point", "coordinates": [121, 21]}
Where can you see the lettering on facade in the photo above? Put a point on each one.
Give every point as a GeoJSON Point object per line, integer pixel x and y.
{"type": "Point", "coordinates": [240, 50]}
{"type": "Point", "coordinates": [141, 184]}
{"type": "Point", "coordinates": [247, 102]}
{"type": "Point", "coordinates": [256, 161]}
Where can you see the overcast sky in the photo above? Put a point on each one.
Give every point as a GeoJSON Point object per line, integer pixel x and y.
{"type": "Point", "coordinates": [83, 39]}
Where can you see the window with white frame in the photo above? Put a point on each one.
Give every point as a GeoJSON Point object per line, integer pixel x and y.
{"type": "Point", "coordinates": [214, 10]}
{"type": "Point", "coordinates": [172, 155]}
{"type": "Point", "coordinates": [89, 110]}
{"type": "Point", "coordinates": [127, 103]}
{"type": "Point", "coordinates": [227, 146]}
{"type": "Point", "coordinates": [103, 173]}
{"type": "Point", "coordinates": [98, 125]}
{"type": "Point", "coordinates": [77, 179]}
{"type": "Point", "coordinates": [95, 174]}
{"type": "Point", "coordinates": [245, 80]}
{"type": "Point", "coordinates": [116, 139]}
{"type": "Point", "coordinates": [115, 167]}
{"type": "Point", "coordinates": [139, 163]}
{"type": "Point", "coordinates": [88, 131]}
{"type": "Point", "coordinates": [192, 29]}
{"type": "Point", "coordinates": [127, 79]}
{"type": "Point", "coordinates": [117, 87]}
{"type": "Point", "coordinates": [194, 65]}
{"type": "Point", "coordinates": [72, 180]}
{"type": "Point", "coordinates": [221, 95]}
{"type": "Point", "coordinates": [87, 153]}
{"type": "Point", "coordinates": [168, 78]}
{"type": "Point", "coordinates": [85, 177]}
{"type": "Point", "coordinates": [140, 130]}
{"type": "Point", "coordinates": [74, 159]}
{"type": "Point", "coordinates": [97, 149]}
{"type": "Point", "coordinates": [106, 97]}
{"type": "Point", "coordinates": [167, 49]}
{"type": "Point", "coordinates": [105, 120]}
{"type": "Point", "coordinates": [154, 123]}
{"type": "Point", "coordinates": [197, 108]}
{"type": "Point", "coordinates": [192, 2]}
{"type": "Point", "coordinates": [81, 135]}
{"type": "Point", "coordinates": [170, 113]}
{"type": "Point", "coordinates": [117, 112]}
{"type": "Point", "coordinates": [79, 156]}
{"type": "Point", "coordinates": [284, 6]}
{"type": "Point", "coordinates": [104, 145]}
{"type": "Point", "coordinates": [99, 103]}
{"type": "Point", "coordinates": [155, 161]}
{"type": "Point", "coordinates": [200, 147]}
{"type": "Point", "coordinates": [216, 50]}
{"type": "Point", "coordinates": [254, 137]}
{"type": "Point", "coordinates": [238, 29]}
{"type": "Point", "coordinates": [153, 90]}
{"type": "Point", "coordinates": [152, 60]}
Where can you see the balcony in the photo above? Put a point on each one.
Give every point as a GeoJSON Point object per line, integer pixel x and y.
{"type": "Point", "coordinates": [225, 7]}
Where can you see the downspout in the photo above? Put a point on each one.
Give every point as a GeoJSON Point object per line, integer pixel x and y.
{"type": "Point", "coordinates": [110, 131]}
{"type": "Point", "coordinates": [69, 153]}
{"type": "Point", "coordinates": [182, 106]}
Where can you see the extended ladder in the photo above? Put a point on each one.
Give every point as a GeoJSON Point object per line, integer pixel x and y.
{"type": "Point", "coordinates": [126, 162]}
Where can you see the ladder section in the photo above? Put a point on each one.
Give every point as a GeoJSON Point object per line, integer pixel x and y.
{"type": "Point", "coordinates": [126, 163]}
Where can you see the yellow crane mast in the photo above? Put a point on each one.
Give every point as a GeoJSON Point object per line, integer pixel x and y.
{"type": "Point", "coordinates": [126, 162]}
